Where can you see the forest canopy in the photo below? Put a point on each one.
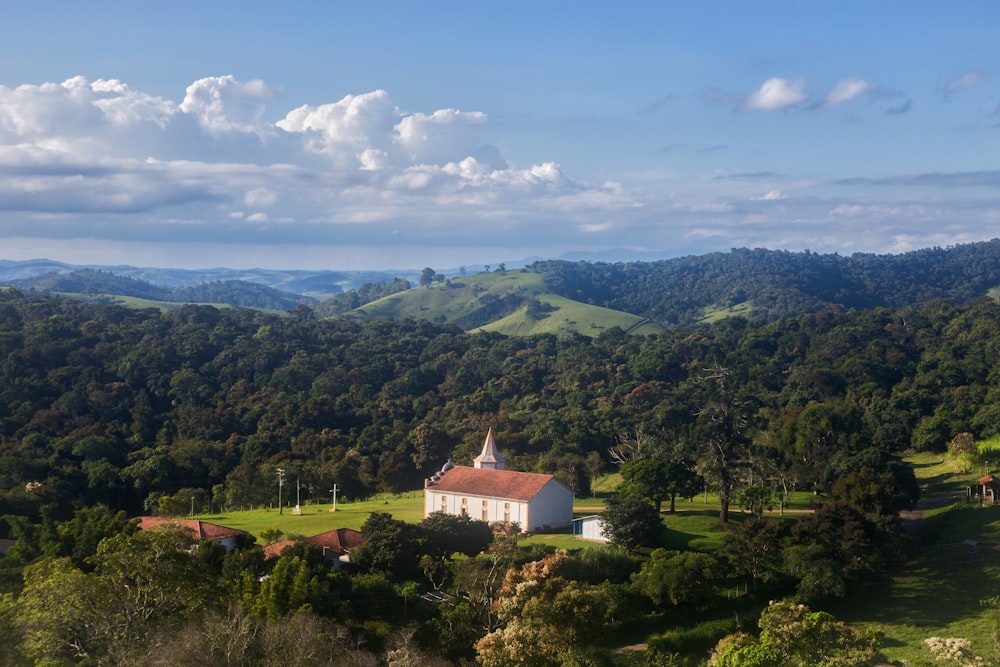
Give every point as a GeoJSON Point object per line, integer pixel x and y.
{"type": "Point", "coordinates": [104, 404]}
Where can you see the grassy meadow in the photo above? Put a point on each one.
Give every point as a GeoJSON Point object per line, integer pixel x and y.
{"type": "Point", "coordinates": [954, 563]}
{"type": "Point", "coordinates": [451, 301]}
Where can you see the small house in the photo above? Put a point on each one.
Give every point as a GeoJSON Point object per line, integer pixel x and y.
{"type": "Point", "coordinates": [589, 528]}
{"type": "Point", "coordinates": [227, 537]}
{"type": "Point", "coordinates": [987, 492]}
{"type": "Point", "coordinates": [336, 545]}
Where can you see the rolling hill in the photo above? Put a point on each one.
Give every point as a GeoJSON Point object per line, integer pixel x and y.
{"type": "Point", "coordinates": [515, 303]}
{"type": "Point", "coordinates": [105, 287]}
{"type": "Point", "coordinates": [559, 296]}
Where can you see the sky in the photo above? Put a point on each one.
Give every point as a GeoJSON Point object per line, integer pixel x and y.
{"type": "Point", "coordinates": [398, 135]}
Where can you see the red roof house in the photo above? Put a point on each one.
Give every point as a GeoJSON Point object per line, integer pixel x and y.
{"type": "Point", "coordinates": [200, 530]}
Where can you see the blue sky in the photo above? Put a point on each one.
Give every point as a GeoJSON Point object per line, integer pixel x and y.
{"type": "Point", "coordinates": [380, 135]}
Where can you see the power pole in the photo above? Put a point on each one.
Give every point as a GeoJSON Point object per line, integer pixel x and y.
{"type": "Point", "coordinates": [281, 483]}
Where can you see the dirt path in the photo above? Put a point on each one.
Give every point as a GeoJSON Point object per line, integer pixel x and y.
{"type": "Point", "coordinates": [911, 518]}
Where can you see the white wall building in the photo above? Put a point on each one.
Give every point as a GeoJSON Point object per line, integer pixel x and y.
{"type": "Point", "coordinates": [490, 493]}
{"type": "Point", "coordinates": [589, 528]}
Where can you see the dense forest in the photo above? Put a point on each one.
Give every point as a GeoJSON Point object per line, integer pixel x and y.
{"type": "Point", "coordinates": [117, 406]}
{"type": "Point", "coordinates": [108, 412]}
{"type": "Point", "coordinates": [778, 283]}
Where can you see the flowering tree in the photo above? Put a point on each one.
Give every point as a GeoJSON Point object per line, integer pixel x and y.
{"type": "Point", "coordinates": [546, 619]}
{"type": "Point", "coordinates": [954, 651]}
{"type": "Point", "coordinates": [792, 634]}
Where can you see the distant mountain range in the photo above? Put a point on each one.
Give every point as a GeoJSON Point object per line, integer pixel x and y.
{"type": "Point", "coordinates": [556, 296]}
{"type": "Point", "coordinates": [296, 281]}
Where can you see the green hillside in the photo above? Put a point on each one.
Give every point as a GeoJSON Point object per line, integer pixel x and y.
{"type": "Point", "coordinates": [513, 303]}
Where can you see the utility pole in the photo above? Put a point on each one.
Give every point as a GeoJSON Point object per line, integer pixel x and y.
{"type": "Point", "coordinates": [281, 483]}
{"type": "Point", "coordinates": [334, 492]}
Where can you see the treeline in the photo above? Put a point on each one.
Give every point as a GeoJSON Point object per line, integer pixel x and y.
{"type": "Point", "coordinates": [355, 298]}
{"type": "Point", "coordinates": [778, 283]}
{"type": "Point", "coordinates": [230, 292]}
{"type": "Point", "coordinates": [135, 409]}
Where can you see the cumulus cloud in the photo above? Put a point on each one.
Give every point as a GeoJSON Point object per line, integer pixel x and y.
{"type": "Point", "coordinates": [212, 166]}
{"type": "Point", "coordinates": [775, 94]}
{"type": "Point", "coordinates": [221, 104]}
{"type": "Point", "coordinates": [102, 168]}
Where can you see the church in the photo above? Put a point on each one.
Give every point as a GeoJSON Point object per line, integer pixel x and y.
{"type": "Point", "coordinates": [490, 492]}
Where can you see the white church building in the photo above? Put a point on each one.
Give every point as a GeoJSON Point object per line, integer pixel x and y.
{"type": "Point", "coordinates": [489, 492]}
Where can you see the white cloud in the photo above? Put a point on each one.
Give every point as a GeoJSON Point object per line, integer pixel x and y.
{"type": "Point", "coordinates": [961, 82]}
{"type": "Point", "coordinates": [347, 131]}
{"type": "Point", "coordinates": [445, 135]}
{"type": "Point", "coordinates": [221, 104]}
{"type": "Point", "coordinates": [771, 195]}
{"type": "Point", "coordinates": [775, 94]}
{"type": "Point", "coordinates": [845, 90]}
{"type": "Point", "coordinates": [102, 167]}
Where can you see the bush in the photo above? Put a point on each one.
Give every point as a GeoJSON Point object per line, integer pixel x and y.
{"type": "Point", "coordinates": [701, 638]}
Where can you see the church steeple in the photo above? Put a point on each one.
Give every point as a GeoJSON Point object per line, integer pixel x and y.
{"type": "Point", "coordinates": [489, 457]}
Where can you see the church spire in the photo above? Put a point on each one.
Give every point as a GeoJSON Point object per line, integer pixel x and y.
{"type": "Point", "coordinates": [489, 457]}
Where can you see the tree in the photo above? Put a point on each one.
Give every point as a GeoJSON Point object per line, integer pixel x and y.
{"type": "Point", "coordinates": [445, 534]}
{"type": "Point", "coordinates": [792, 634]}
{"type": "Point", "coordinates": [677, 578]}
{"type": "Point", "coordinates": [631, 521]}
{"type": "Point", "coordinates": [754, 547]}
{"type": "Point", "coordinates": [647, 477]}
{"type": "Point", "coordinates": [849, 540]}
{"type": "Point", "coordinates": [390, 546]}
{"type": "Point", "coordinates": [725, 438]}
{"type": "Point", "coordinates": [301, 582]}
{"type": "Point", "coordinates": [62, 613]}
{"type": "Point", "coordinates": [653, 468]}
{"type": "Point", "coordinates": [964, 450]}
{"type": "Point", "coordinates": [546, 619]}
{"type": "Point", "coordinates": [140, 583]}
{"type": "Point", "coordinates": [427, 276]}
{"type": "Point", "coordinates": [873, 493]}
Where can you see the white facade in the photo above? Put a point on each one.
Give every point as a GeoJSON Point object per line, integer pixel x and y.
{"type": "Point", "coordinates": [484, 508]}
{"type": "Point", "coordinates": [488, 492]}
{"type": "Point", "coordinates": [589, 528]}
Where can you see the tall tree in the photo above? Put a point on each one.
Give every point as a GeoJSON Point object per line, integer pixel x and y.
{"type": "Point", "coordinates": [631, 521]}
{"type": "Point", "coordinates": [724, 436]}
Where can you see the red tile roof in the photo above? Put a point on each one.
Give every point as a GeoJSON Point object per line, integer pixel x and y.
{"type": "Point", "coordinates": [492, 483]}
{"type": "Point", "coordinates": [341, 540]}
{"type": "Point", "coordinates": [200, 529]}
{"type": "Point", "coordinates": [334, 543]}
{"type": "Point", "coordinates": [274, 549]}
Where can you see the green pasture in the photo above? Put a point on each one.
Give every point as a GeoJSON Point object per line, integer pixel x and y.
{"type": "Point", "coordinates": [316, 519]}
{"type": "Point", "coordinates": [954, 563]}
{"type": "Point", "coordinates": [711, 314]}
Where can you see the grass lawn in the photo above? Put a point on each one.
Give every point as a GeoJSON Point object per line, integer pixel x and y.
{"type": "Point", "coordinates": [937, 591]}
{"type": "Point", "coordinates": [317, 519]}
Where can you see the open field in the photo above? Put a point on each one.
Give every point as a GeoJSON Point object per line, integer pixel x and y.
{"type": "Point", "coordinates": [937, 591]}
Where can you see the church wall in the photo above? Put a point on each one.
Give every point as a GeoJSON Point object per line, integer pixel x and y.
{"type": "Point", "coordinates": [497, 509]}
{"type": "Point", "coordinates": [552, 507]}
